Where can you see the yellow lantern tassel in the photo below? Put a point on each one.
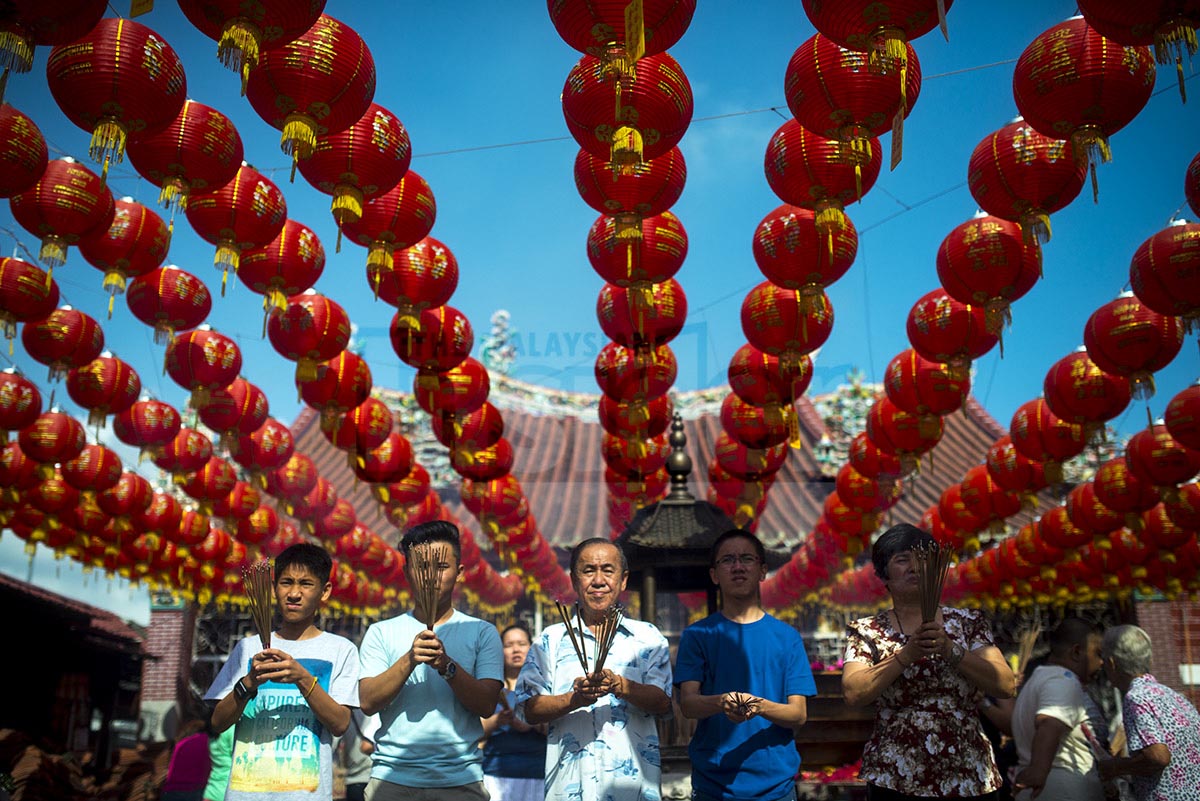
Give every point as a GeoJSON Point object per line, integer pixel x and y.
{"type": "Point", "coordinates": [407, 317]}
{"type": "Point", "coordinates": [379, 255]}
{"type": "Point", "coordinates": [52, 254]}
{"type": "Point", "coordinates": [238, 47]}
{"type": "Point", "coordinates": [107, 144]}
{"type": "Point", "coordinates": [347, 204]}
{"type": "Point", "coordinates": [626, 149]}
{"type": "Point", "coordinates": [16, 51]}
{"type": "Point", "coordinates": [793, 422]}
{"type": "Point", "coordinates": [299, 138]}
{"type": "Point", "coordinates": [306, 369]}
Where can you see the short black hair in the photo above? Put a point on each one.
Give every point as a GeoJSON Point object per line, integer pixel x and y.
{"type": "Point", "coordinates": [516, 627]}
{"type": "Point", "coordinates": [897, 539]}
{"type": "Point", "coordinates": [308, 555]}
{"type": "Point", "coordinates": [433, 531]}
{"type": "Point", "coordinates": [1071, 631]}
{"type": "Point", "coordinates": [578, 550]}
{"type": "Point", "coordinates": [737, 533]}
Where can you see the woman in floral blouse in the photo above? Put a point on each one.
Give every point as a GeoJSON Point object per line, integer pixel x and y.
{"type": "Point", "coordinates": [926, 680]}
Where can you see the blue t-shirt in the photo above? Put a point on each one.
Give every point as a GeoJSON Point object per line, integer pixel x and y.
{"type": "Point", "coordinates": [513, 754]}
{"type": "Point", "coordinates": [426, 737]}
{"type": "Point", "coordinates": [755, 759]}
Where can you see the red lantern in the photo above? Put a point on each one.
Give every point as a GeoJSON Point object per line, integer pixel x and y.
{"type": "Point", "coordinates": [1079, 392]}
{"type": "Point", "coordinates": [941, 329]}
{"type": "Point", "coordinates": [784, 323]}
{"type": "Point", "coordinates": [1126, 338]}
{"type": "Point", "coordinates": [1017, 174]}
{"type": "Point", "coordinates": [1182, 417]}
{"type": "Point", "coordinates": [246, 213]}
{"type": "Point", "coordinates": [161, 517]}
{"type": "Point", "coordinates": [23, 152]}
{"type": "Point", "coordinates": [459, 390]}
{"type": "Point", "coordinates": [807, 170]}
{"type": "Point", "coordinates": [851, 97]}
{"type": "Point", "coordinates": [292, 480]}
{"type": "Point", "coordinates": [424, 510]}
{"type": "Point", "coordinates": [199, 151]}
{"type": "Point", "coordinates": [420, 277]}
{"type": "Point", "coordinates": [622, 373]}
{"type": "Point", "coordinates": [20, 402]}
{"type": "Point", "coordinates": [631, 118]}
{"type": "Point", "coordinates": [599, 28]}
{"type": "Point", "coordinates": [66, 338]}
{"type": "Point", "coordinates": [119, 80]}
{"type": "Point", "coordinates": [291, 263]}
{"type": "Point", "coordinates": [243, 32]}
{"type": "Point", "coordinates": [1068, 83]}
{"type": "Point", "coordinates": [363, 428]}
{"type": "Point", "coordinates": [261, 524]}
{"type": "Point", "coordinates": [50, 22]}
{"type": "Point", "coordinates": [637, 262]}
{"type": "Point", "coordinates": [212, 482]}
{"type": "Point", "coordinates": [864, 492]}
{"type": "Point", "coordinates": [629, 196]}
{"type": "Point", "coordinates": [266, 449]}
{"type": "Point", "coordinates": [1039, 435]}
{"type": "Point", "coordinates": [1153, 456]}
{"type": "Point", "coordinates": [235, 410]}
{"type": "Point", "coordinates": [337, 522]}
{"type": "Point", "coordinates": [147, 424]}
{"type": "Point", "coordinates": [987, 262]}
{"type": "Point", "coordinates": [957, 515]}
{"type": "Point", "coordinates": [872, 461]}
{"type": "Point", "coordinates": [103, 386]}
{"type": "Point", "coordinates": [1168, 25]}
{"type": "Point", "coordinates": [1124, 493]}
{"type": "Point", "coordinates": [316, 503]}
{"type": "Point", "coordinates": [66, 204]}
{"type": "Point", "coordinates": [1184, 508]}
{"type": "Point", "coordinates": [640, 322]}
{"type": "Point", "coordinates": [1161, 532]}
{"type": "Point", "coordinates": [311, 329]}
{"type": "Point", "coordinates": [483, 464]}
{"type": "Point", "coordinates": [239, 503]}
{"type": "Point", "coordinates": [389, 462]}
{"type": "Point", "coordinates": [1087, 512]}
{"type": "Point", "coordinates": [748, 464]}
{"type": "Point", "coordinates": [214, 548]}
{"type": "Point", "coordinates": [201, 361]}
{"type": "Point", "coordinates": [881, 29]}
{"type": "Point", "coordinates": [985, 498]}
{"type": "Point", "coordinates": [481, 428]}
{"type": "Point", "coordinates": [135, 244]}
{"type": "Point", "coordinates": [904, 434]}
{"type": "Point", "coordinates": [17, 473]}
{"type": "Point", "coordinates": [853, 524]}
{"type": "Point", "coordinates": [1163, 272]}
{"type": "Point", "coordinates": [170, 300]}
{"type": "Point", "coordinates": [635, 457]}
{"type": "Point", "coordinates": [439, 340]}
{"type": "Point", "coordinates": [130, 496]}
{"type": "Point", "coordinates": [409, 488]}
{"type": "Point", "coordinates": [792, 253]}
{"type": "Point", "coordinates": [318, 84]}
{"type": "Point", "coordinates": [945, 535]}
{"type": "Point", "coordinates": [26, 294]}
{"type": "Point", "coordinates": [94, 470]}
{"type": "Point", "coordinates": [761, 379]}
{"type": "Point", "coordinates": [1056, 528]}
{"type": "Point", "coordinates": [193, 530]}
{"type": "Point", "coordinates": [1012, 470]}
{"type": "Point", "coordinates": [922, 387]}
{"type": "Point", "coordinates": [635, 419]}
{"type": "Point", "coordinates": [188, 452]}
{"type": "Point", "coordinates": [745, 423]}
{"type": "Point", "coordinates": [342, 383]}
{"type": "Point", "coordinates": [397, 219]}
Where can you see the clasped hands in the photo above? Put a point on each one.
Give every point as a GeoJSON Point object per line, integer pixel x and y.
{"type": "Point", "coordinates": [271, 664]}
{"type": "Point", "coordinates": [594, 686]}
{"type": "Point", "coordinates": [427, 649]}
{"type": "Point", "coordinates": [929, 640]}
{"type": "Point", "coordinates": [740, 707]}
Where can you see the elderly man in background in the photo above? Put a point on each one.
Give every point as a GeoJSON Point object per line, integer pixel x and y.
{"type": "Point", "coordinates": [1162, 728]}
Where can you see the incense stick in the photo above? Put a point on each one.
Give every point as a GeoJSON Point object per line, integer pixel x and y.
{"type": "Point", "coordinates": [427, 581]}
{"type": "Point", "coordinates": [606, 635]}
{"type": "Point", "coordinates": [932, 563]}
{"type": "Point", "coordinates": [258, 580]}
{"type": "Point", "coordinates": [564, 612]}
{"type": "Point", "coordinates": [1025, 645]}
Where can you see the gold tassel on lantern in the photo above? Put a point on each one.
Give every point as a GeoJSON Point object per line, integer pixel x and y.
{"type": "Point", "coordinates": [1169, 43]}
{"type": "Point", "coordinates": [793, 424]}
{"type": "Point", "coordinates": [629, 226]}
{"type": "Point", "coordinates": [379, 256]}
{"type": "Point", "coordinates": [1035, 227]}
{"type": "Point", "coordinates": [238, 47]}
{"type": "Point", "coordinates": [626, 150]}
{"type": "Point", "coordinates": [1091, 146]}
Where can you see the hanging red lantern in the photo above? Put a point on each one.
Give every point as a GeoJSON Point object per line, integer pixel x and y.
{"type": "Point", "coordinates": [851, 523]}
{"type": "Point", "coordinates": [599, 28]}
{"type": "Point", "coordinates": [290, 264]}
{"type": "Point", "coordinates": [94, 470]}
{"type": "Point", "coordinates": [201, 361]}
{"type": "Point", "coordinates": [23, 153]}
{"type": "Point", "coordinates": [880, 29]}
{"type": "Point", "coordinates": [637, 262]}
{"type": "Point", "coordinates": [1124, 337]}
{"type": "Point", "coordinates": [1020, 175]}
{"type": "Point", "coordinates": [1159, 531]}
{"type": "Point", "coordinates": [872, 461]}
{"type": "Point", "coordinates": [943, 533]}
{"type": "Point", "coordinates": [214, 547]}
{"type": "Point", "coordinates": [50, 22]}
{"type": "Point", "coordinates": [239, 503]}
{"type": "Point", "coordinates": [630, 195]}
{"type": "Point", "coordinates": [17, 473]}
{"type": "Point", "coordinates": [635, 457]}
{"type": "Point", "coordinates": [907, 435]}
{"type": "Point", "coordinates": [316, 503]}
{"type": "Point", "coordinates": [1184, 508]}
{"type": "Point", "coordinates": [1067, 83]}
{"type": "Point", "coordinates": [635, 419]}
{"type": "Point", "coordinates": [1087, 512]}
{"type": "Point", "coordinates": [193, 530]}
{"type": "Point", "coordinates": [640, 321]}
{"type": "Point", "coordinates": [645, 489]}
{"type": "Point", "coordinates": [958, 516]}
{"type": "Point", "coordinates": [1013, 471]}
{"type": "Point", "coordinates": [130, 496]}
{"type": "Point", "coordinates": [848, 96]}
{"type": "Point", "coordinates": [1168, 25]}
{"type": "Point", "coordinates": [210, 483]}
{"type": "Point", "coordinates": [318, 84]}
{"type": "Point", "coordinates": [630, 118]}
{"type": "Point", "coordinates": [246, 213]}
{"type": "Point", "coordinates": [161, 517]}
{"type": "Point", "coordinates": [453, 392]}
{"type": "Point", "coordinates": [408, 488]}
{"type": "Point", "coordinates": [243, 32]}
{"type": "Point", "coordinates": [1056, 528]}
{"type": "Point", "coordinates": [363, 428]}
{"type": "Point", "coordinates": [792, 253]}
{"type": "Point", "coordinates": [1038, 434]}
{"type": "Point", "coordinates": [311, 329]}
{"type": "Point", "coordinates": [807, 170]}
{"type": "Point", "coordinates": [26, 294]}
{"type": "Point", "coordinates": [235, 410]}
{"type": "Point", "coordinates": [986, 499]}
{"type": "Point", "coordinates": [749, 424]}
{"type": "Point", "coordinates": [921, 387]}
{"type": "Point", "coordinates": [405, 516]}
{"type": "Point", "coordinates": [388, 462]}
{"type": "Point", "coordinates": [1079, 392]}
{"type": "Point", "coordinates": [135, 244]}
{"type": "Point", "coordinates": [1154, 457]}
{"type": "Point", "coordinates": [20, 402]}
{"type": "Point", "coordinates": [261, 524]}
{"type": "Point", "coordinates": [148, 425]}
{"type": "Point", "coordinates": [483, 464]}
{"type": "Point", "coordinates": [337, 522]}
{"type": "Point", "coordinates": [784, 323]}
{"type": "Point", "coordinates": [761, 379]}
{"type": "Point", "coordinates": [266, 449]}
{"type": "Point", "coordinates": [199, 151]}
{"type": "Point", "coordinates": [480, 428]}
{"type": "Point", "coordinates": [186, 453]}
{"type": "Point", "coordinates": [106, 385]}
{"type": "Point", "coordinates": [67, 203]}
{"type": "Point", "coordinates": [359, 163]}
{"type": "Point", "coordinates": [342, 383]}
{"type": "Point", "coordinates": [397, 219]}
{"type": "Point", "coordinates": [748, 464]}
{"type": "Point", "coordinates": [53, 497]}
{"type": "Point", "coordinates": [420, 277]}
{"type": "Point", "coordinates": [292, 480]}
{"type": "Point", "coordinates": [987, 262]}
{"type": "Point", "coordinates": [64, 339]}
{"type": "Point", "coordinates": [441, 338]}
{"type": "Point", "coordinates": [622, 373]}
{"type": "Point", "coordinates": [941, 329]}
{"type": "Point", "coordinates": [170, 300]}
{"type": "Point", "coordinates": [864, 492]}
{"type": "Point", "coordinates": [119, 80]}
{"type": "Point", "coordinates": [1182, 417]}
{"type": "Point", "coordinates": [1124, 493]}
{"type": "Point", "coordinates": [1163, 272]}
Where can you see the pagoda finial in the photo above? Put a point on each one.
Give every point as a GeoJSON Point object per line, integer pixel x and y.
{"type": "Point", "coordinates": [679, 464]}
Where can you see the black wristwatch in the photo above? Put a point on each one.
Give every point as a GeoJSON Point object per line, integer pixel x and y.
{"type": "Point", "coordinates": [241, 693]}
{"type": "Point", "coordinates": [450, 671]}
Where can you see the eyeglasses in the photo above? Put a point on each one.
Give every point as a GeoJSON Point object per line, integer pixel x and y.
{"type": "Point", "coordinates": [729, 560]}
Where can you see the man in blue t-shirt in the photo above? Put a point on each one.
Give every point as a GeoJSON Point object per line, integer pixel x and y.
{"type": "Point", "coordinates": [744, 676]}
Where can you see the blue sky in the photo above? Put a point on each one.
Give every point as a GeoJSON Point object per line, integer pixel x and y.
{"type": "Point", "coordinates": [477, 85]}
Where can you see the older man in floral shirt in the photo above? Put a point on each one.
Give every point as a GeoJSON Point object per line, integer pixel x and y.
{"type": "Point", "coordinates": [1161, 726]}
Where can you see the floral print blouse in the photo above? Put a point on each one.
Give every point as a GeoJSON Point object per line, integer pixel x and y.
{"type": "Point", "coordinates": [927, 739]}
{"type": "Point", "coordinates": [1154, 713]}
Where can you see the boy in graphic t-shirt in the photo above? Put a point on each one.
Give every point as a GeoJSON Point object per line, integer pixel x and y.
{"type": "Point", "coordinates": [287, 702]}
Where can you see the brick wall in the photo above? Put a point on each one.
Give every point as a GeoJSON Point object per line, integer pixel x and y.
{"type": "Point", "coordinates": [169, 642]}
{"type": "Point", "coordinates": [1174, 629]}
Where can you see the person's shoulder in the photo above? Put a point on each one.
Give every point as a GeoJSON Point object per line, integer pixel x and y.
{"type": "Point", "coordinates": [642, 630]}
{"type": "Point", "coordinates": [863, 624]}
{"type": "Point", "coordinates": [706, 624]}
{"type": "Point", "coordinates": [780, 628]}
{"type": "Point", "coordinates": [328, 639]}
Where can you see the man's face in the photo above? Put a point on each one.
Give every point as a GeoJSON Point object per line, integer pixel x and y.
{"type": "Point", "coordinates": [599, 578]}
{"type": "Point", "coordinates": [1093, 659]}
{"type": "Point", "coordinates": [443, 561]}
{"type": "Point", "coordinates": [738, 570]}
{"type": "Point", "coordinates": [299, 594]}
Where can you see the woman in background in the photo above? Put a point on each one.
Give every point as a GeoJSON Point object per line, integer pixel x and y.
{"type": "Point", "coordinates": [187, 772]}
{"type": "Point", "coordinates": [514, 753]}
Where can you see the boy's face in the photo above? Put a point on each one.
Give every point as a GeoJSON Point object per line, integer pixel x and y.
{"type": "Point", "coordinates": [443, 560]}
{"type": "Point", "coordinates": [300, 594]}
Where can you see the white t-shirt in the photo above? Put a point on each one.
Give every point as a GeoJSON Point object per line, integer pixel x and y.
{"type": "Point", "coordinates": [1053, 691]}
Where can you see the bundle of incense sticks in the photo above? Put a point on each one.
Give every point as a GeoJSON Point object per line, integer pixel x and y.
{"type": "Point", "coordinates": [932, 563]}
{"type": "Point", "coordinates": [1025, 644]}
{"type": "Point", "coordinates": [742, 702]}
{"type": "Point", "coordinates": [606, 635]}
{"type": "Point", "coordinates": [258, 580]}
{"type": "Point", "coordinates": [427, 580]}
{"type": "Point", "coordinates": [564, 612]}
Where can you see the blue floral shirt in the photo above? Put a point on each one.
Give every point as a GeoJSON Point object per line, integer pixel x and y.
{"type": "Point", "coordinates": [607, 751]}
{"type": "Point", "coordinates": [1153, 714]}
